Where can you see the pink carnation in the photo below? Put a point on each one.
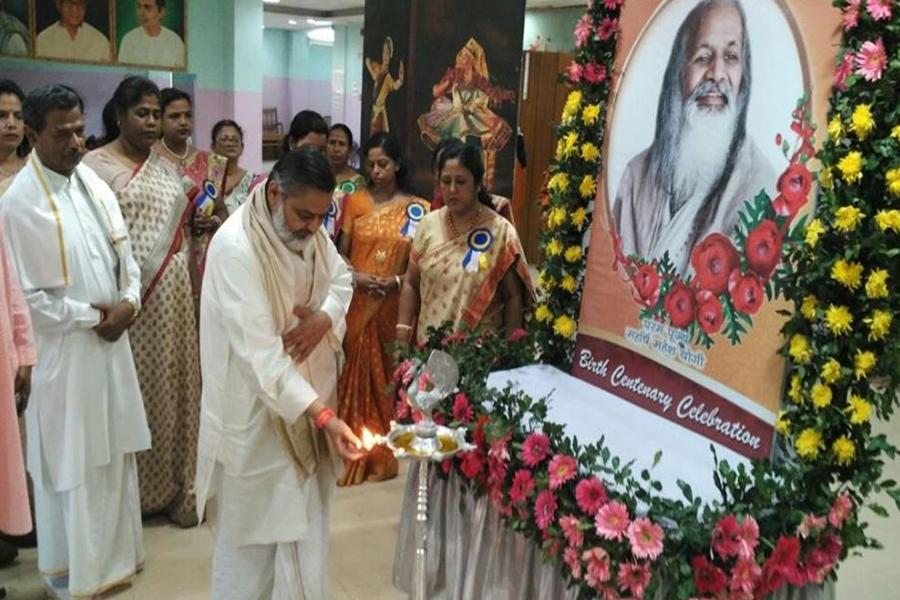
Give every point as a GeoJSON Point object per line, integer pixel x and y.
{"type": "Point", "coordinates": [517, 335]}
{"type": "Point", "coordinates": [879, 9]}
{"type": "Point", "coordinates": [607, 28]}
{"type": "Point", "coordinates": [571, 528]}
{"type": "Point", "coordinates": [598, 571]}
{"type": "Point", "coordinates": [594, 73]}
{"type": "Point", "coordinates": [522, 486]}
{"type": "Point", "coordinates": [646, 538]}
{"type": "Point", "coordinates": [590, 494]}
{"type": "Point", "coordinates": [634, 578]}
{"type": "Point", "coordinates": [462, 410]}
{"type": "Point", "coordinates": [535, 449]}
{"type": "Point", "coordinates": [572, 560]}
{"type": "Point", "coordinates": [583, 30]}
{"type": "Point", "coordinates": [545, 509]}
{"type": "Point", "coordinates": [613, 4]}
{"type": "Point", "coordinates": [562, 468]}
{"type": "Point", "coordinates": [575, 72]}
{"type": "Point", "coordinates": [612, 520]}
{"type": "Point", "coordinates": [745, 575]}
{"type": "Point", "coordinates": [401, 408]}
{"type": "Point", "coordinates": [870, 60]}
{"type": "Point", "coordinates": [850, 18]}
{"type": "Point", "coordinates": [840, 510]}
{"type": "Point", "coordinates": [843, 71]}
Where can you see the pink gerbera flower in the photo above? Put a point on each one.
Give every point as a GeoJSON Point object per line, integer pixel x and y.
{"type": "Point", "coordinates": [840, 510]}
{"type": "Point", "coordinates": [646, 538]}
{"type": "Point", "coordinates": [522, 486]}
{"type": "Point", "coordinates": [571, 528]}
{"type": "Point", "coordinates": [810, 525]}
{"type": "Point", "coordinates": [575, 72]}
{"type": "Point", "coordinates": [612, 520]}
{"type": "Point", "coordinates": [843, 71]}
{"type": "Point", "coordinates": [545, 509]}
{"type": "Point", "coordinates": [607, 28]}
{"type": "Point", "coordinates": [747, 537]}
{"type": "Point", "coordinates": [462, 410]}
{"type": "Point", "coordinates": [850, 17]}
{"type": "Point", "coordinates": [572, 560]}
{"type": "Point", "coordinates": [562, 468]}
{"type": "Point", "coordinates": [594, 73]}
{"type": "Point", "coordinates": [879, 9]}
{"type": "Point", "coordinates": [535, 449]}
{"type": "Point", "coordinates": [597, 561]}
{"type": "Point", "coordinates": [745, 575]}
{"type": "Point", "coordinates": [590, 494]}
{"type": "Point", "coordinates": [870, 60]}
{"type": "Point", "coordinates": [634, 578]}
{"type": "Point", "coordinates": [583, 30]}
{"type": "Point", "coordinates": [724, 537]}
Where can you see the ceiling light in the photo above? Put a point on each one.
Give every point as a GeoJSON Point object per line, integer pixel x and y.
{"type": "Point", "coordinates": [323, 36]}
{"type": "Point", "coordinates": [292, 22]}
{"type": "Point", "coordinates": [271, 1]}
{"type": "Point", "coordinates": [319, 23]}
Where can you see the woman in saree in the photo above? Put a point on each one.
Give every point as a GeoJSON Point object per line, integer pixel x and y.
{"type": "Point", "coordinates": [164, 337]}
{"type": "Point", "coordinates": [349, 180]}
{"type": "Point", "coordinates": [467, 266]}
{"type": "Point", "coordinates": [196, 167]}
{"type": "Point", "coordinates": [228, 141]}
{"type": "Point", "coordinates": [377, 232]}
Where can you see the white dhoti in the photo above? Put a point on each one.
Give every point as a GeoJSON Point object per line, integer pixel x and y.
{"type": "Point", "coordinates": [89, 539]}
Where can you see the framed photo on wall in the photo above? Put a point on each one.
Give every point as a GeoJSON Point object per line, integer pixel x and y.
{"type": "Point", "coordinates": [73, 30]}
{"type": "Point", "coordinates": [151, 33]}
{"type": "Point", "coordinates": [15, 28]}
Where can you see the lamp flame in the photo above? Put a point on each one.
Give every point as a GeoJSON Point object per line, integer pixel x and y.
{"type": "Point", "coordinates": [368, 439]}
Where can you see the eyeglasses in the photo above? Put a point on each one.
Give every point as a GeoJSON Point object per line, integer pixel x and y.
{"type": "Point", "coordinates": [227, 139]}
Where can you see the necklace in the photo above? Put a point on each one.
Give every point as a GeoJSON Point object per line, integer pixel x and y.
{"type": "Point", "coordinates": [472, 224]}
{"type": "Point", "coordinates": [180, 157]}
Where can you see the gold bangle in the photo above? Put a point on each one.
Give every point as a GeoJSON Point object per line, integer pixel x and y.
{"type": "Point", "coordinates": [134, 307]}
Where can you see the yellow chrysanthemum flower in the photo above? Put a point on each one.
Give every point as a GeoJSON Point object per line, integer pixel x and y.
{"type": "Point", "coordinates": [861, 121]}
{"type": "Point", "coordinates": [556, 217]}
{"type": "Point", "coordinates": [831, 371]}
{"type": "Point", "coordinates": [835, 128]}
{"type": "Point", "coordinates": [844, 450]}
{"type": "Point", "coordinates": [795, 391]}
{"type": "Point", "coordinates": [860, 410]}
{"type": "Point", "coordinates": [808, 307]}
{"type": "Point", "coordinates": [554, 247]}
{"type": "Point", "coordinates": [542, 314]}
{"type": "Point", "coordinates": [590, 114]}
{"type": "Point", "coordinates": [851, 167]}
{"type": "Point", "coordinates": [568, 283]}
{"type": "Point", "coordinates": [573, 254]}
{"type": "Point", "coordinates": [782, 424]}
{"type": "Point", "coordinates": [847, 218]}
{"type": "Point", "coordinates": [544, 280]}
{"type": "Point", "coordinates": [876, 284]}
{"type": "Point", "coordinates": [820, 395]}
{"type": "Point", "coordinates": [848, 274]}
{"type": "Point", "coordinates": [590, 152]}
{"type": "Point", "coordinates": [888, 219]}
{"type": "Point", "coordinates": [560, 149]}
{"type": "Point", "coordinates": [579, 218]}
{"type": "Point", "coordinates": [814, 231]}
{"type": "Point", "coordinates": [565, 326]}
{"type": "Point", "coordinates": [573, 103]}
{"type": "Point", "coordinates": [826, 178]}
{"type": "Point", "coordinates": [838, 319]}
{"type": "Point", "coordinates": [892, 178]}
{"type": "Point", "coordinates": [895, 132]}
{"type": "Point", "coordinates": [879, 324]}
{"type": "Point", "coordinates": [588, 187]}
{"type": "Point", "coordinates": [809, 443]}
{"type": "Point", "coordinates": [572, 142]}
{"type": "Point", "coordinates": [799, 349]}
{"type": "Point", "coordinates": [559, 183]}
{"type": "Point", "coordinates": [863, 363]}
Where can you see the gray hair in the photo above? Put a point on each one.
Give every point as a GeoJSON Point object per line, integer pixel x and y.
{"type": "Point", "coordinates": [303, 168]}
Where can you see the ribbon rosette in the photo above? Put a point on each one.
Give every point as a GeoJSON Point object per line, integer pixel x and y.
{"type": "Point", "coordinates": [479, 242]}
{"type": "Point", "coordinates": [331, 218]}
{"type": "Point", "coordinates": [347, 187]}
{"type": "Point", "coordinates": [205, 201]}
{"type": "Point", "coordinates": [414, 213]}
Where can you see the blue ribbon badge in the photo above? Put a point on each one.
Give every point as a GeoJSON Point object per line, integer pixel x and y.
{"type": "Point", "coordinates": [414, 213]}
{"type": "Point", "coordinates": [205, 202]}
{"type": "Point", "coordinates": [479, 242]}
{"type": "Point", "coordinates": [331, 218]}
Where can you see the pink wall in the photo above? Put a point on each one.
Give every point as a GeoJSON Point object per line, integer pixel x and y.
{"type": "Point", "coordinates": [290, 96]}
{"type": "Point", "coordinates": [244, 107]}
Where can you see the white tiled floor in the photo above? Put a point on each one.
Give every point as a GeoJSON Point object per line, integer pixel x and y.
{"type": "Point", "coordinates": [364, 529]}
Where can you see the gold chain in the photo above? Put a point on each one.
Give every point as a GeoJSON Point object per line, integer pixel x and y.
{"type": "Point", "coordinates": [452, 225]}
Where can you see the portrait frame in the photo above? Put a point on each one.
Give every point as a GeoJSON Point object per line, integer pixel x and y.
{"type": "Point", "coordinates": [44, 14]}
{"type": "Point", "coordinates": [125, 19]}
{"type": "Point", "coordinates": [22, 13]}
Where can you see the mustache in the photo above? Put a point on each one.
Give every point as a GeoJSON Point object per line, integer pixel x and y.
{"type": "Point", "coordinates": [712, 87]}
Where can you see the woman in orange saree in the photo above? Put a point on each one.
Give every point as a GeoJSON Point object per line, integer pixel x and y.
{"type": "Point", "coordinates": [467, 266]}
{"type": "Point", "coordinates": [377, 232]}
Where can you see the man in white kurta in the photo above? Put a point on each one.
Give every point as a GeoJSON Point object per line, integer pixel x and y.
{"type": "Point", "coordinates": [71, 37]}
{"type": "Point", "coordinates": [272, 316]}
{"type": "Point", "coordinates": [151, 43]}
{"type": "Point", "coordinates": [85, 421]}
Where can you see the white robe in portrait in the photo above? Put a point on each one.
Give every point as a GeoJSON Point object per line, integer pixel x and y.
{"type": "Point", "coordinates": [164, 50]}
{"type": "Point", "coordinates": [89, 44]}
{"type": "Point", "coordinates": [85, 420]}
{"type": "Point", "coordinates": [649, 229]}
{"type": "Point", "coordinates": [264, 515]}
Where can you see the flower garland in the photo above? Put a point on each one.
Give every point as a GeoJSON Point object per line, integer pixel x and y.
{"type": "Point", "coordinates": [572, 181]}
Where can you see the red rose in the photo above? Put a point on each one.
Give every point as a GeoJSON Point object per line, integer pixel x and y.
{"type": "Point", "coordinates": [680, 305]}
{"type": "Point", "coordinates": [713, 259]}
{"type": "Point", "coordinates": [764, 248]}
{"type": "Point", "coordinates": [793, 188]}
{"type": "Point", "coordinates": [646, 282]}
{"type": "Point", "coordinates": [709, 312]}
{"type": "Point", "coordinates": [746, 291]}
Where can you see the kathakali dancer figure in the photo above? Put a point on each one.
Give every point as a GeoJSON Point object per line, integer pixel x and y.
{"type": "Point", "coordinates": [462, 107]}
{"type": "Point", "coordinates": [384, 84]}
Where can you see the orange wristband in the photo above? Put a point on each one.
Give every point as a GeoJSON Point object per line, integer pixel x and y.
{"type": "Point", "coordinates": [323, 418]}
